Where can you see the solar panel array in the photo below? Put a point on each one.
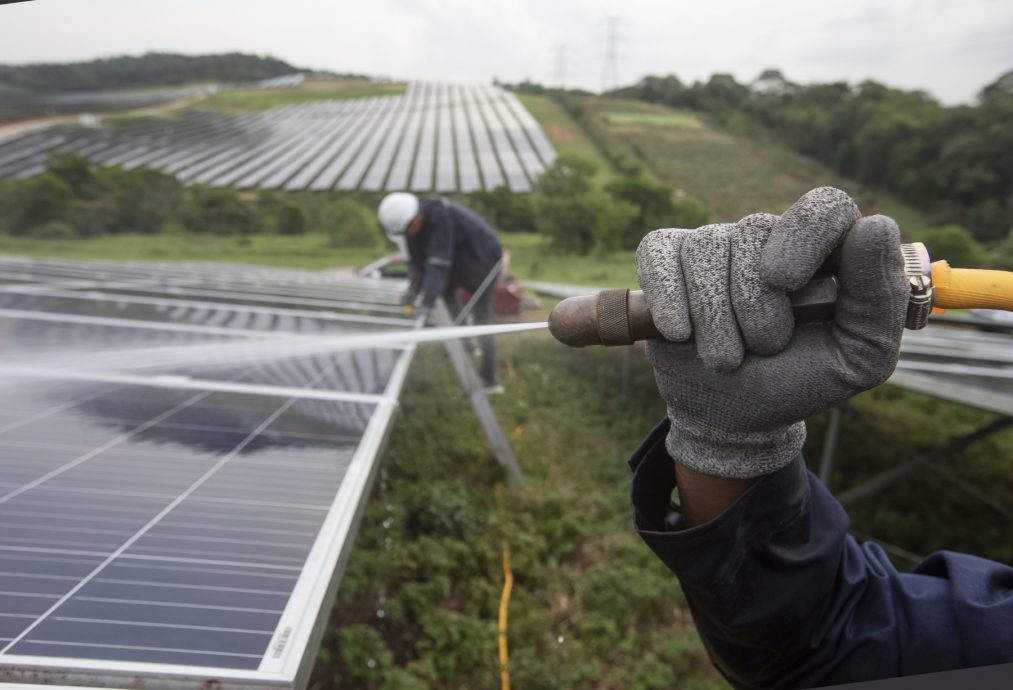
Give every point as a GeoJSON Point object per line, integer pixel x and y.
{"type": "Point", "coordinates": [184, 451]}
{"type": "Point", "coordinates": [435, 137]}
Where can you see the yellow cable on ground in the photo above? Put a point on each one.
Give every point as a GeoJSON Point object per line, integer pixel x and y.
{"type": "Point", "coordinates": [504, 602]}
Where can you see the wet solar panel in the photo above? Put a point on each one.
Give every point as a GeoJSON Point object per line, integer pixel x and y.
{"type": "Point", "coordinates": [171, 516]}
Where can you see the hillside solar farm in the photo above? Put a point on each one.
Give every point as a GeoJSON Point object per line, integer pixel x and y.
{"type": "Point", "coordinates": [434, 137]}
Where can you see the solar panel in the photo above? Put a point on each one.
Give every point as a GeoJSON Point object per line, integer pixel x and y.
{"type": "Point", "coordinates": [183, 468]}
{"type": "Point", "coordinates": [435, 136]}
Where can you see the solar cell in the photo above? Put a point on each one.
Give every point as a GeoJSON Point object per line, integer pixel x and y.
{"type": "Point", "coordinates": [171, 518]}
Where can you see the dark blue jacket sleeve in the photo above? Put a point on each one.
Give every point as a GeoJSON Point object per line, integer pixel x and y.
{"type": "Point", "coordinates": [439, 229]}
{"type": "Point", "coordinates": [784, 597]}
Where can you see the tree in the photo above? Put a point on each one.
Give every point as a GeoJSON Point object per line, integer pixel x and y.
{"type": "Point", "coordinates": [219, 212]}
{"type": "Point", "coordinates": [291, 220]}
{"type": "Point", "coordinates": [349, 224]}
{"type": "Point", "coordinates": [32, 203]}
{"type": "Point", "coordinates": [956, 245]}
{"type": "Point", "coordinates": [506, 210]}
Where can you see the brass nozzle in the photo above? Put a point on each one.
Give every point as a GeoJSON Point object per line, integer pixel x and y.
{"type": "Point", "coordinates": [621, 317]}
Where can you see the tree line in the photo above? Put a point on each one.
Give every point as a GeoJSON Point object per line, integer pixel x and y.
{"type": "Point", "coordinates": [151, 69]}
{"type": "Point", "coordinates": [74, 198]}
{"type": "Point", "coordinates": [956, 162]}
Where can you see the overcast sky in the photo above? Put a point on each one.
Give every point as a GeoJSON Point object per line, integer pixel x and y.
{"type": "Point", "coordinates": [948, 48]}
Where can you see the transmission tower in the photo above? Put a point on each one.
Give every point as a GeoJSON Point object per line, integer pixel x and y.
{"type": "Point", "coordinates": [559, 65]}
{"type": "Point", "coordinates": [610, 67]}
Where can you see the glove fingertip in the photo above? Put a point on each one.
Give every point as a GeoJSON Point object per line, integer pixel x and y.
{"type": "Point", "coordinates": [805, 236]}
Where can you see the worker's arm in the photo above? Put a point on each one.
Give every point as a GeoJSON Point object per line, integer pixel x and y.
{"type": "Point", "coordinates": [439, 228]}
{"type": "Point", "coordinates": [783, 597]}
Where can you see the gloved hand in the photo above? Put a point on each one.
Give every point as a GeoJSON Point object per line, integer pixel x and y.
{"type": "Point", "coordinates": [738, 393]}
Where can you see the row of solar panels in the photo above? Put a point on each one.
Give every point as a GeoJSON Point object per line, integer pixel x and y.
{"type": "Point", "coordinates": [183, 457]}
{"type": "Point", "coordinates": [434, 137]}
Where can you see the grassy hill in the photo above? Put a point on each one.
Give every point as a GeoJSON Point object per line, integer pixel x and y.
{"type": "Point", "coordinates": [250, 100]}
{"type": "Point", "coordinates": [733, 175]}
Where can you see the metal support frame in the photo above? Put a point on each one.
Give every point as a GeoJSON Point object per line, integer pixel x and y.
{"type": "Point", "coordinates": [892, 476]}
{"type": "Point", "coordinates": [498, 443]}
{"type": "Point", "coordinates": [830, 443]}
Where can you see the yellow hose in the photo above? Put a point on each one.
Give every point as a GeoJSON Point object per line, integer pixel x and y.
{"type": "Point", "coordinates": [504, 602]}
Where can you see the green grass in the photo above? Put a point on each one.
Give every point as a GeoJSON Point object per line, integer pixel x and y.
{"type": "Point", "coordinates": [529, 258]}
{"type": "Point", "coordinates": [258, 100]}
{"type": "Point", "coordinates": [734, 175]}
{"type": "Point", "coordinates": [311, 251]}
{"type": "Point", "coordinates": [591, 606]}
{"type": "Point", "coordinates": [658, 119]}
{"type": "Point", "coordinates": [565, 135]}
{"type": "Point", "coordinates": [428, 555]}
{"type": "Point", "coordinates": [532, 259]}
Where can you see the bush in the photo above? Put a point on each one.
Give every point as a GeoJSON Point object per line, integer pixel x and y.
{"type": "Point", "coordinates": [34, 202]}
{"type": "Point", "coordinates": [220, 212]}
{"type": "Point", "coordinates": [506, 210]}
{"type": "Point", "coordinates": [349, 224]}
{"type": "Point", "coordinates": [54, 230]}
{"type": "Point", "coordinates": [689, 212]}
{"type": "Point", "coordinates": [582, 223]}
{"type": "Point", "coordinates": [568, 175]}
{"type": "Point", "coordinates": [291, 220]}
{"type": "Point", "coordinates": [956, 245]}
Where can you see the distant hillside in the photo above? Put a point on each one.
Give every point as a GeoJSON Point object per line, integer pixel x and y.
{"type": "Point", "coordinates": [152, 69]}
{"type": "Point", "coordinates": [733, 175]}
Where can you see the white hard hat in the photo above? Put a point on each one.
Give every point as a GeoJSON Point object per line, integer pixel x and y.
{"type": "Point", "coordinates": [396, 212]}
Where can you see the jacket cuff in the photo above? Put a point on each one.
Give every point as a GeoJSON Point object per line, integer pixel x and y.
{"type": "Point", "coordinates": [774, 500]}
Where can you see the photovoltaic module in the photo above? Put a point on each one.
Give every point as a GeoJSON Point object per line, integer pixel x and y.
{"type": "Point", "coordinates": [180, 477]}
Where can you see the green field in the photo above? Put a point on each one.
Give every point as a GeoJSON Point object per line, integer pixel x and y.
{"type": "Point", "coordinates": [671, 118]}
{"type": "Point", "coordinates": [258, 100]}
{"type": "Point", "coordinates": [733, 175]}
{"type": "Point", "coordinates": [565, 135]}
{"type": "Point", "coordinates": [529, 258]}
{"type": "Point", "coordinates": [311, 251]}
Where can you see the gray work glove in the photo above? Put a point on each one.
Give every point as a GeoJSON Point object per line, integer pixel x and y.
{"type": "Point", "coordinates": [738, 393]}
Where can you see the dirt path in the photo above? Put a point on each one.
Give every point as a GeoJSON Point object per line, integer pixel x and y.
{"type": "Point", "coordinates": [22, 126]}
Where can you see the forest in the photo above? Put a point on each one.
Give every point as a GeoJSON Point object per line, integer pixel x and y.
{"type": "Point", "coordinates": [151, 69]}
{"type": "Point", "coordinates": [956, 162]}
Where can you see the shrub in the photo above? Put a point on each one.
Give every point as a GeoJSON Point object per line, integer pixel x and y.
{"type": "Point", "coordinates": [34, 202]}
{"type": "Point", "coordinates": [291, 220]}
{"type": "Point", "coordinates": [349, 224]}
{"type": "Point", "coordinates": [582, 223]}
{"type": "Point", "coordinates": [568, 175]}
{"type": "Point", "coordinates": [220, 212]}
{"type": "Point", "coordinates": [956, 245]}
{"type": "Point", "coordinates": [689, 212]}
{"type": "Point", "coordinates": [506, 210]}
{"type": "Point", "coordinates": [54, 230]}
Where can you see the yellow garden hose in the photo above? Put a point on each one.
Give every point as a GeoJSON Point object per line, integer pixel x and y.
{"type": "Point", "coordinates": [504, 602]}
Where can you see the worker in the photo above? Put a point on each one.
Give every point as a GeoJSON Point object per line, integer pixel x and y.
{"type": "Point", "coordinates": [449, 246]}
{"type": "Point", "coordinates": [781, 594]}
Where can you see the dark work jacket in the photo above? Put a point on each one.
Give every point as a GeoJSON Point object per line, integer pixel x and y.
{"type": "Point", "coordinates": [784, 597]}
{"type": "Point", "coordinates": [455, 248]}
